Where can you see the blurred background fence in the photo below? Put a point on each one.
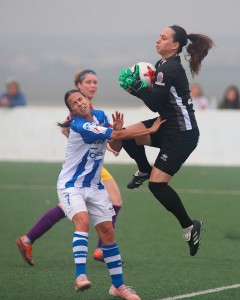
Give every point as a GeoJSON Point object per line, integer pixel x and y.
{"type": "Point", "coordinates": [32, 134]}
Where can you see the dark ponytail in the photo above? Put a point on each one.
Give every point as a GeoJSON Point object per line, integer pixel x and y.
{"type": "Point", "coordinates": [197, 49]}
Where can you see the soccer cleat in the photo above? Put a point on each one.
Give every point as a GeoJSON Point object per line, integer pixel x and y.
{"type": "Point", "coordinates": [137, 180]}
{"type": "Point", "coordinates": [98, 255]}
{"type": "Point", "coordinates": [82, 283]}
{"type": "Point", "coordinates": [123, 292]}
{"type": "Point", "coordinates": [193, 237]}
{"type": "Point", "coordinates": [25, 250]}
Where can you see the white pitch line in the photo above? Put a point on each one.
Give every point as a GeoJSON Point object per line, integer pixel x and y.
{"type": "Point", "coordinates": [25, 187]}
{"type": "Point", "coordinates": [194, 191]}
{"type": "Point", "coordinates": [223, 288]}
{"type": "Point", "coordinates": [35, 187]}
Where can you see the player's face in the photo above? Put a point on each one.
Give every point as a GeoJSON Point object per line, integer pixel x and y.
{"type": "Point", "coordinates": [231, 95]}
{"type": "Point", "coordinates": [165, 45]}
{"type": "Point", "coordinates": [79, 105]}
{"type": "Point", "coordinates": [89, 85]}
{"type": "Point", "coordinates": [12, 89]}
{"type": "Point", "coordinates": [195, 91]}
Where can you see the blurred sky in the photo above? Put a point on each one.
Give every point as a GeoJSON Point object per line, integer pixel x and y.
{"type": "Point", "coordinates": [44, 42]}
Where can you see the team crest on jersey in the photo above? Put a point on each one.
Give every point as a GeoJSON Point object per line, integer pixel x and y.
{"type": "Point", "coordinates": [159, 80]}
{"type": "Point", "coordinates": [94, 128]}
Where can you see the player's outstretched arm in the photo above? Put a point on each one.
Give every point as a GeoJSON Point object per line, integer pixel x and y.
{"type": "Point", "coordinates": [130, 133]}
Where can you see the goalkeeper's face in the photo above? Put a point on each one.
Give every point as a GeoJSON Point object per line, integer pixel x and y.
{"type": "Point", "coordinates": [165, 44]}
{"type": "Point", "coordinates": [79, 105]}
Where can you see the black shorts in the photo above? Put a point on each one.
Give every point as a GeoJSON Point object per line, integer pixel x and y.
{"type": "Point", "coordinates": [175, 147]}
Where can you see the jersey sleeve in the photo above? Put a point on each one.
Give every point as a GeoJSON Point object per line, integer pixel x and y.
{"type": "Point", "coordinates": [91, 132]}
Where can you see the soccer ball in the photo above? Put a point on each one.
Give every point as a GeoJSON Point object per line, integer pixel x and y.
{"type": "Point", "coordinates": [146, 72]}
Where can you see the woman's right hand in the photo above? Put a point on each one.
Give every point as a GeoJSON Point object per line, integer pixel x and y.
{"type": "Point", "coordinates": [157, 123]}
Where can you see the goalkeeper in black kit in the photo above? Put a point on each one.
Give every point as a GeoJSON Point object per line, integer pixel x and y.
{"type": "Point", "coordinates": [178, 136]}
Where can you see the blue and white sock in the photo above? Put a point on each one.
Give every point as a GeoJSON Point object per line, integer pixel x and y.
{"type": "Point", "coordinates": [113, 260]}
{"type": "Point", "coordinates": [80, 251]}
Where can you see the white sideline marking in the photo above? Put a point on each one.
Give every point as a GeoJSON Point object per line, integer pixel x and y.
{"type": "Point", "coordinates": [31, 187]}
{"type": "Point", "coordinates": [223, 288]}
{"type": "Point", "coordinates": [142, 190]}
{"type": "Point", "coordinates": [193, 191]}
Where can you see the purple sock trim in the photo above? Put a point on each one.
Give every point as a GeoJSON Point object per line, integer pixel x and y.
{"type": "Point", "coordinates": [117, 209]}
{"type": "Point", "coordinates": [99, 244]}
{"type": "Point", "coordinates": [51, 217]}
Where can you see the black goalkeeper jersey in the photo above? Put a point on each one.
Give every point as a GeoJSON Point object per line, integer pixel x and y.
{"type": "Point", "coordinates": [170, 95]}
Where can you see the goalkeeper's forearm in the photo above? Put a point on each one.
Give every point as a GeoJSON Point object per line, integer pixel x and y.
{"type": "Point", "coordinates": [154, 101]}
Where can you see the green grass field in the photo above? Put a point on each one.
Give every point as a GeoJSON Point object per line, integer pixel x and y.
{"type": "Point", "coordinates": [156, 259]}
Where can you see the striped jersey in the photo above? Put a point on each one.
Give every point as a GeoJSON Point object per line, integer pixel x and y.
{"type": "Point", "coordinates": [86, 147]}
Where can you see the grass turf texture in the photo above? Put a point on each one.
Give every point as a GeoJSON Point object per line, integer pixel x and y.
{"type": "Point", "coordinates": [156, 259]}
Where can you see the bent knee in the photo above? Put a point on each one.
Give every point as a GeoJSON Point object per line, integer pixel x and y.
{"type": "Point", "coordinates": [156, 187]}
{"type": "Point", "coordinates": [81, 221]}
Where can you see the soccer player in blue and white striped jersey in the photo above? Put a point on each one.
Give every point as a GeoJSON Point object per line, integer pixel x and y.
{"type": "Point", "coordinates": [81, 193]}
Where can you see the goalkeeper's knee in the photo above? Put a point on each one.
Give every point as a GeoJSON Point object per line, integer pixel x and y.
{"type": "Point", "coordinates": [164, 194]}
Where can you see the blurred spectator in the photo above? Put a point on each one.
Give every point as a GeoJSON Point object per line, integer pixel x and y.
{"type": "Point", "coordinates": [231, 98]}
{"type": "Point", "coordinates": [13, 96]}
{"type": "Point", "coordinates": [200, 102]}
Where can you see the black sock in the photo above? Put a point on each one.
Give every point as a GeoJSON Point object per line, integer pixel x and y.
{"type": "Point", "coordinates": [171, 201]}
{"type": "Point", "coordinates": [137, 152]}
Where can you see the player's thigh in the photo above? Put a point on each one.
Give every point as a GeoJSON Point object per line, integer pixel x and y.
{"type": "Point", "coordinates": [113, 191]}
{"type": "Point", "coordinates": [99, 205]}
{"type": "Point", "coordinates": [72, 201]}
{"type": "Point", "coordinates": [168, 161]}
{"type": "Point", "coordinates": [175, 149]}
{"type": "Point", "coordinates": [136, 126]}
{"type": "Point", "coordinates": [143, 140]}
{"type": "Point", "coordinates": [153, 139]}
